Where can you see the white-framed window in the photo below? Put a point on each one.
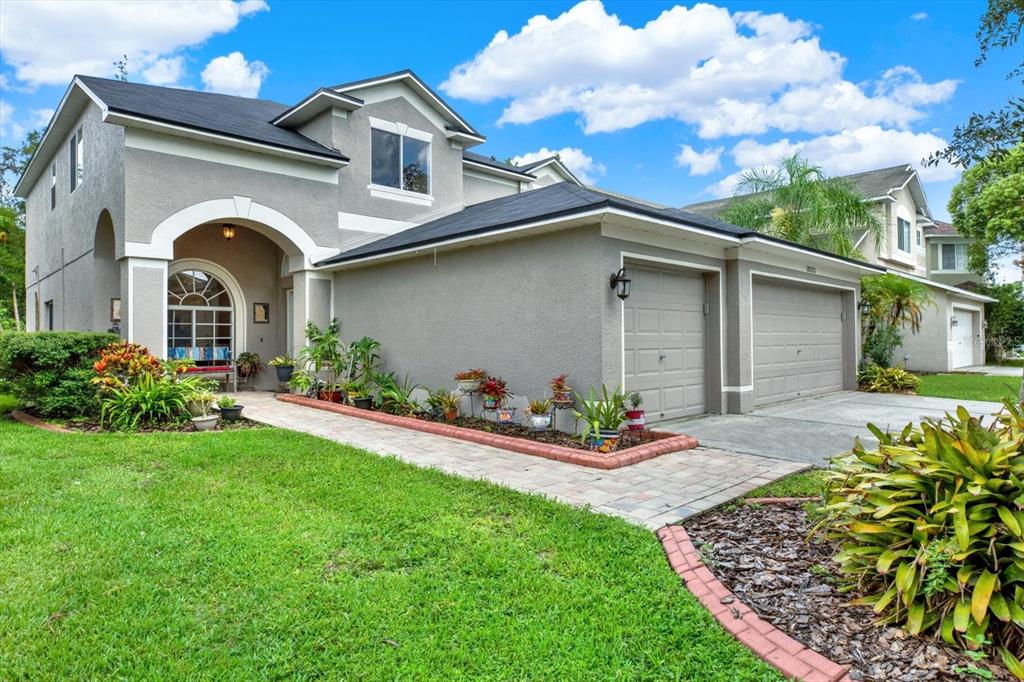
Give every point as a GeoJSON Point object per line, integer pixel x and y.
{"type": "Point", "coordinates": [48, 315]}
{"type": "Point", "coordinates": [953, 257]}
{"type": "Point", "coordinates": [399, 157]}
{"type": "Point", "coordinates": [903, 234]}
{"type": "Point", "coordinates": [53, 186]}
{"type": "Point", "coordinates": [919, 237]}
{"type": "Point", "coordinates": [199, 318]}
{"type": "Point", "coordinates": [76, 158]}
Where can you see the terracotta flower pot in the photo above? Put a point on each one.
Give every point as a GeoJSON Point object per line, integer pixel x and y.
{"type": "Point", "coordinates": [451, 415]}
{"type": "Point", "coordinates": [332, 396]}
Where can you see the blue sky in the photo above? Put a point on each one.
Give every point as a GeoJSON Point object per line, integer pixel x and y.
{"type": "Point", "coordinates": [648, 98]}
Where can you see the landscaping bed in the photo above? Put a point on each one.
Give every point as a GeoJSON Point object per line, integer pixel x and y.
{"type": "Point", "coordinates": [93, 426]}
{"type": "Point", "coordinates": [762, 553]}
{"type": "Point", "coordinates": [627, 439]}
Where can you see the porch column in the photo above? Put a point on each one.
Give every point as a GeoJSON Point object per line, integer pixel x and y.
{"type": "Point", "coordinates": [314, 300]}
{"type": "Point", "coordinates": [144, 303]}
{"type": "Point", "coordinates": [738, 384]}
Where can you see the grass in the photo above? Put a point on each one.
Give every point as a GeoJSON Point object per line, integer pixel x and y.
{"type": "Point", "coordinates": [271, 554]}
{"type": "Point", "coordinates": [801, 484]}
{"type": "Point", "coordinates": [969, 386]}
{"type": "Point", "coordinates": [7, 403]}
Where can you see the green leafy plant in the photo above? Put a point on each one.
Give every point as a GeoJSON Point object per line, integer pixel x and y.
{"type": "Point", "coordinates": [444, 402]}
{"type": "Point", "coordinates": [248, 364]}
{"type": "Point", "coordinates": [282, 361]}
{"type": "Point", "coordinates": [539, 407]}
{"type": "Point", "coordinates": [148, 400]}
{"type": "Point", "coordinates": [204, 401]}
{"type": "Point", "coordinates": [931, 528]}
{"type": "Point", "coordinates": [877, 379]}
{"type": "Point", "coordinates": [395, 397]}
{"type": "Point", "coordinates": [880, 343]}
{"type": "Point", "coordinates": [363, 359]}
{"type": "Point", "coordinates": [226, 401]}
{"type": "Point", "coordinates": [322, 359]}
{"type": "Point", "coordinates": [636, 400]}
{"type": "Point", "coordinates": [604, 412]}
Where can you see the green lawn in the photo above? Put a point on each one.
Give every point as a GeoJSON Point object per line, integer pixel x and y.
{"type": "Point", "coordinates": [269, 554]}
{"type": "Point", "coordinates": [801, 484]}
{"type": "Point", "coordinates": [969, 386]}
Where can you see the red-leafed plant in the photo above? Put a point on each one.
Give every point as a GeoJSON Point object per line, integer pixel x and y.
{"type": "Point", "coordinates": [495, 388]}
{"type": "Point", "coordinates": [122, 362]}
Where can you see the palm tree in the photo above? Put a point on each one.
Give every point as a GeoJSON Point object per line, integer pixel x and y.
{"type": "Point", "coordinates": [895, 300]}
{"type": "Point", "coordinates": [799, 203]}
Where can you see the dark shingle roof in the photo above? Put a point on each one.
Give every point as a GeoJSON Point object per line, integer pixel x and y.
{"type": "Point", "coordinates": [493, 163]}
{"type": "Point", "coordinates": [871, 184]}
{"type": "Point", "coordinates": [238, 117]}
{"type": "Point", "coordinates": [942, 229]}
{"type": "Point", "coordinates": [559, 200]}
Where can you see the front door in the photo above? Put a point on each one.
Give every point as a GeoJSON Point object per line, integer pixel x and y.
{"type": "Point", "coordinates": [963, 338]}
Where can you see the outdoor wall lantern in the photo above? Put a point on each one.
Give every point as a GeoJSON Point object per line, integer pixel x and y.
{"type": "Point", "coordinates": [227, 230]}
{"type": "Point", "coordinates": [865, 307]}
{"type": "Point", "coordinates": [620, 283]}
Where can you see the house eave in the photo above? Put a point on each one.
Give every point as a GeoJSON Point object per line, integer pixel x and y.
{"type": "Point", "coordinates": [315, 104]}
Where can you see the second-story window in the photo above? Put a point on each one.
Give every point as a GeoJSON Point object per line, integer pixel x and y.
{"type": "Point", "coordinates": [903, 234]}
{"type": "Point", "coordinates": [953, 257]}
{"type": "Point", "coordinates": [76, 158]}
{"type": "Point", "coordinates": [401, 161]}
{"type": "Point", "coordinates": [53, 186]}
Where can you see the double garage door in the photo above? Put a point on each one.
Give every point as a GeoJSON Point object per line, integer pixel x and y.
{"type": "Point", "coordinates": [797, 341]}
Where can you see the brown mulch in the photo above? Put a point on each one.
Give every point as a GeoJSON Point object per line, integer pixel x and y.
{"type": "Point", "coordinates": [627, 439]}
{"type": "Point", "coordinates": [762, 554]}
{"type": "Point", "coordinates": [93, 426]}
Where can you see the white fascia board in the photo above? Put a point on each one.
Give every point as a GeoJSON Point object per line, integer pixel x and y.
{"type": "Point", "coordinates": [863, 267]}
{"type": "Point", "coordinates": [55, 130]}
{"type": "Point", "coordinates": [318, 102]}
{"type": "Point", "coordinates": [563, 170]}
{"type": "Point", "coordinates": [130, 121]}
{"type": "Point", "coordinates": [418, 87]}
{"type": "Point", "coordinates": [501, 172]}
{"type": "Point", "coordinates": [465, 138]}
{"type": "Point", "coordinates": [945, 287]}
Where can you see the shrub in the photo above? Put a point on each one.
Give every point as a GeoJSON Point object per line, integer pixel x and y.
{"type": "Point", "coordinates": [880, 342]}
{"type": "Point", "coordinates": [931, 528]}
{"type": "Point", "coordinates": [875, 379]}
{"type": "Point", "coordinates": [49, 372]}
{"type": "Point", "coordinates": [148, 400]}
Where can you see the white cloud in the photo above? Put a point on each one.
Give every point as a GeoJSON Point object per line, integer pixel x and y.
{"type": "Point", "coordinates": [727, 74]}
{"type": "Point", "coordinates": [850, 151]}
{"type": "Point", "coordinates": [165, 71]}
{"type": "Point", "coordinates": [233, 75]}
{"type": "Point", "coordinates": [47, 42]}
{"type": "Point", "coordinates": [1006, 271]}
{"type": "Point", "coordinates": [700, 163]}
{"type": "Point", "coordinates": [11, 132]}
{"type": "Point", "coordinates": [581, 164]}
{"type": "Point", "coordinates": [41, 117]}
{"type": "Point", "coordinates": [919, 16]}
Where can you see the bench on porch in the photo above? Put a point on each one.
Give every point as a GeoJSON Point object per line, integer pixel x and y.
{"type": "Point", "coordinates": [214, 362]}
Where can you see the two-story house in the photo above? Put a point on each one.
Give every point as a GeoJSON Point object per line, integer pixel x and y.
{"type": "Point", "coordinates": [203, 225]}
{"type": "Point", "coordinates": [916, 246]}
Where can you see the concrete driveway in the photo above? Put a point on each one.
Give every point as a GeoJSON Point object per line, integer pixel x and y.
{"type": "Point", "coordinates": [812, 430]}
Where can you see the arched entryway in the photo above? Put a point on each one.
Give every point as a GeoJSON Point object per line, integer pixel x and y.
{"type": "Point", "coordinates": [205, 305]}
{"type": "Point", "coordinates": [106, 275]}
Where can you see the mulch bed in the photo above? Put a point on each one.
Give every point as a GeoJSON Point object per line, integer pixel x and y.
{"type": "Point", "coordinates": [93, 426]}
{"type": "Point", "coordinates": [763, 555]}
{"type": "Point", "coordinates": [627, 439]}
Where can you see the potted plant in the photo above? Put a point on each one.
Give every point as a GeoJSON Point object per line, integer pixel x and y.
{"type": "Point", "coordinates": [204, 421]}
{"type": "Point", "coordinates": [561, 392]}
{"type": "Point", "coordinates": [359, 396]}
{"type": "Point", "coordinates": [447, 403]}
{"type": "Point", "coordinates": [248, 364]}
{"type": "Point", "coordinates": [539, 412]}
{"type": "Point", "coordinates": [470, 380]}
{"type": "Point", "coordinates": [635, 418]}
{"type": "Point", "coordinates": [494, 391]}
{"type": "Point", "coordinates": [230, 411]}
{"type": "Point", "coordinates": [601, 415]}
{"type": "Point", "coordinates": [284, 365]}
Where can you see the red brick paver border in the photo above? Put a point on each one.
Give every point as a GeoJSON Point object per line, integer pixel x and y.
{"type": "Point", "coordinates": [774, 646]}
{"type": "Point", "coordinates": [664, 442]}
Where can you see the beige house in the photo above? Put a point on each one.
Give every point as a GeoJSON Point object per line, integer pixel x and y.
{"type": "Point", "coordinates": [916, 246]}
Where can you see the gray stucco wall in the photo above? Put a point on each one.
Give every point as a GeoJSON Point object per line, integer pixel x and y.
{"type": "Point", "coordinates": [476, 189]}
{"type": "Point", "coordinates": [527, 310]}
{"type": "Point", "coordinates": [927, 351]}
{"type": "Point", "coordinates": [63, 237]}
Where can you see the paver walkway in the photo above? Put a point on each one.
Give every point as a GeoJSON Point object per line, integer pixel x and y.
{"type": "Point", "coordinates": [652, 493]}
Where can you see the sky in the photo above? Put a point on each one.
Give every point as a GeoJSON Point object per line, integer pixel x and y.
{"type": "Point", "coordinates": [669, 102]}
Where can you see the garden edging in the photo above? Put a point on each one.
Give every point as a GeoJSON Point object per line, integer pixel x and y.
{"type": "Point", "coordinates": [788, 656]}
{"type": "Point", "coordinates": [664, 442]}
{"type": "Point", "coordinates": [31, 420]}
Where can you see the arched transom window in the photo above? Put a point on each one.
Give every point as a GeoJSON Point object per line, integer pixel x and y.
{"type": "Point", "coordinates": [199, 324]}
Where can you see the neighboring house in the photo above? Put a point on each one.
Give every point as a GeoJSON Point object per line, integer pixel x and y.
{"type": "Point", "coordinates": [917, 246]}
{"type": "Point", "coordinates": [363, 201]}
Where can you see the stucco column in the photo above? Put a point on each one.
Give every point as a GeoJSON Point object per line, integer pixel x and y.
{"type": "Point", "coordinates": [144, 303]}
{"type": "Point", "coordinates": [313, 293]}
{"type": "Point", "coordinates": [738, 386]}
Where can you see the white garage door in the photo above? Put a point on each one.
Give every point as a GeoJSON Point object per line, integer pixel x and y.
{"type": "Point", "coordinates": [798, 342]}
{"type": "Point", "coordinates": [963, 338]}
{"type": "Point", "coordinates": [664, 341]}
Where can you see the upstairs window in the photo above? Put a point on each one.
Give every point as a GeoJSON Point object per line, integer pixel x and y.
{"type": "Point", "coordinates": [953, 257]}
{"type": "Point", "coordinates": [48, 315]}
{"type": "Point", "coordinates": [903, 234]}
{"type": "Point", "coordinates": [53, 186]}
{"type": "Point", "coordinates": [400, 158]}
{"type": "Point", "coordinates": [76, 157]}
{"type": "Point", "coordinates": [919, 237]}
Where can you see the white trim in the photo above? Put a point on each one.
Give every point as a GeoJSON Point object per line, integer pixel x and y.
{"type": "Point", "coordinates": [737, 389]}
{"type": "Point", "coordinates": [811, 254]}
{"type": "Point", "coordinates": [395, 194]}
{"type": "Point", "coordinates": [400, 129]}
{"type": "Point", "coordinates": [344, 103]}
{"type": "Point", "coordinates": [149, 140]}
{"type": "Point", "coordinates": [238, 304]}
{"type": "Point", "coordinates": [515, 175]}
{"type": "Point", "coordinates": [945, 287]}
{"type": "Point", "coordinates": [128, 120]}
{"type": "Point", "coordinates": [689, 265]}
{"type": "Point", "coordinates": [421, 89]}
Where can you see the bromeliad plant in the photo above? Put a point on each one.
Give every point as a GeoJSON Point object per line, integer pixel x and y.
{"type": "Point", "coordinates": [495, 392]}
{"type": "Point", "coordinates": [931, 529]}
{"type": "Point", "coordinates": [877, 379]}
{"type": "Point", "coordinates": [600, 414]}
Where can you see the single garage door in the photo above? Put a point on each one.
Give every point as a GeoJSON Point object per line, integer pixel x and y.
{"type": "Point", "coordinates": [963, 338]}
{"type": "Point", "coordinates": [665, 341]}
{"type": "Point", "coordinates": [798, 341]}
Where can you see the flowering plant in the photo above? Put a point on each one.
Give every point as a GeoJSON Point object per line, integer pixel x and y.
{"type": "Point", "coordinates": [495, 389]}
{"type": "Point", "coordinates": [471, 375]}
{"type": "Point", "coordinates": [121, 363]}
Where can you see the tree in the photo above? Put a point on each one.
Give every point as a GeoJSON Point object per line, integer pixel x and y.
{"type": "Point", "coordinates": [992, 134]}
{"type": "Point", "coordinates": [13, 161]}
{"type": "Point", "coordinates": [1005, 318]}
{"type": "Point", "coordinates": [894, 303]}
{"type": "Point", "coordinates": [987, 205]}
{"type": "Point", "coordinates": [799, 203]}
